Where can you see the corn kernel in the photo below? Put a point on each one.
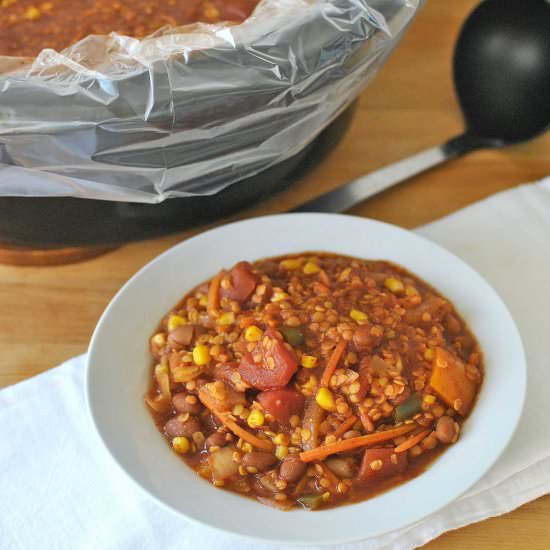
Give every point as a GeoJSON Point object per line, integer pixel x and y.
{"type": "Point", "coordinates": [325, 399]}
{"type": "Point", "coordinates": [279, 296]}
{"type": "Point", "coordinates": [253, 334]}
{"type": "Point", "coordinates": [309, 361]}
{"type": "Point", "coordinates": [159, 340]}
{"type": "Point", "coordinates": [358, 316]}
{"type": "Point", "coordinates": [429, 399]}
{"type": "Point", "coordinates": [291, 263]}
{"type": "Point", "coordinates": [281, 439]}
{"type": "Point", "coordinates": [32, 13]}
{"type": "Point", "coordinates": [411, 291]}
{"type": "Point", "coordinates": [181, 444]}
{"type": "Point", "coordinates": [227, 318]}
{"type": "Point", "coordinates": [175, 321]}
{"type": "Point", "coordinates": [247, 447]}
{"type": "Point", "coordinates": [281, 451]}
{"type": "Point", "coordinates": [394, 285]}
{"type": "Point", "coordinates": [255, 418]}
{"type": "Point", "coordinates": [203, 301]}
{"type": "Point", "coordinates": [201, 355]}
{"type": "Point", "coordinates": [326, 496]}
{"type": "Point", "coordinates": [311, 268]}
{"type": "Point", "coordinates": [429, 354]}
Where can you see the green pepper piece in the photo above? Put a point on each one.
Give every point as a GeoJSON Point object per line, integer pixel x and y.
{"type": "Point", "coordinates": [311, 501]}
{"type": "Point", "coordinates": [408, 409]}
{"type": "Point", "coordinates": [294, 336]}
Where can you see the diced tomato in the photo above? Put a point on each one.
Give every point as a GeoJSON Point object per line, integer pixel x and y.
{"type": "Point", "coordinates": [282, 404]}
{"type": "Point", "coordinates": [243, 282]}
{"type": "Point", "coordinates": [380, 463]}
{"type": "Point", "coordinates": [276, 366]}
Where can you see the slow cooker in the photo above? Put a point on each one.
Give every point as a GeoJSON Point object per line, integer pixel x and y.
{"type": "Point", "coordinates": [117, 139]}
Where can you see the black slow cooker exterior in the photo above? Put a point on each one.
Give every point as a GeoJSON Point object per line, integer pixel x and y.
{"type": "Point", "coordinates": [52, 222]}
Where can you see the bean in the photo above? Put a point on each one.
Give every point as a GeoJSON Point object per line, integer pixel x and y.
{"type": "Point", "coordinates": [184, 402]}
{"type": "Point", "coordinates": [452, 324]}
{"type": "Point", "coordinates": [261, 460]}
{"type": "Point", "coordinates": [175, 427]}
{"type": "Point", "coordinates": [363, 339]}
{"type": "Point", "coordinates": [447, 429]}
{"type": "Point", "coordinates": [292, 468]}
{"type": "Point", "coordinates": [217, 439]}
{"type": "Point", "coordinates": [211, 422]}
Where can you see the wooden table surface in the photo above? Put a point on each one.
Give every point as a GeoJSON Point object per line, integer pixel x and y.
{"type": "Point", "coordinates": [47, 314]}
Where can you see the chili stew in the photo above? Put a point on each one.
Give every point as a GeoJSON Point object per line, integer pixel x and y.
{"type": "Point", "coordinates": [28, 26]}
{"type": "Point", "coordinates": [312, 380]}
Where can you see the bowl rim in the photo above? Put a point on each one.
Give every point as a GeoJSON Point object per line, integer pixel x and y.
{"type": "Point", "coordinates": [515, 410]}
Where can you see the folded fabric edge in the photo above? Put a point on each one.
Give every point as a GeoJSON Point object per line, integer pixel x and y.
{"type": "Point", "coordinates": [501, 499]}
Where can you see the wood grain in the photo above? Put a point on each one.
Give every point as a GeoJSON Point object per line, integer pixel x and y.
{"type": "Point", "coordinates": [48, 314]}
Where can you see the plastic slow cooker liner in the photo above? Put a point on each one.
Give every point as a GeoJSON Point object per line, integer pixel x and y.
{"type": "Point", "coordinates": [191, 110]}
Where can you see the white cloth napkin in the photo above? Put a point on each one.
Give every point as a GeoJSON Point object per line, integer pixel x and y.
{"type": "Point", "coordinates": [60, 490]}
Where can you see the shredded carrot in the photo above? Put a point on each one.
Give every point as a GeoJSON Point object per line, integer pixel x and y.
{"type": "Point", "coordinates": [214, 295]}
{"type": "Point", "coordinates": [324, 278]}
{"type": "Point", "coordinates": [353, 442]}
{"type": "Point", "coordinates": [333, 361]}
{"type": "Point", "coordinates": [412, 441]}
{"type": "Point", "coordinates": [242, 433]}
{"type": "Point", "coordinates": [366, 420]}
{"type": "Point", "coordinates": [345, 426]}
{"type": "Point", "coordinates": [233, 426]}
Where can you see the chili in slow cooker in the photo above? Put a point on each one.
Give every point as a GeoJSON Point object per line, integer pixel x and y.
{"type": "Point", "coordinates": [312, 380]}
{"type": "Point", "coordinates": [28, 26]}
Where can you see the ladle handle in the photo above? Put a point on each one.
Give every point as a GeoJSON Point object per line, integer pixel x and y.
{"type": "Point", "coordinates": [362, 188]}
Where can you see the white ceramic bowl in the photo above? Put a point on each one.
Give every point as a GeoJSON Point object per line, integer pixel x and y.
{"type": "Point", "coordinates": [119, 363]}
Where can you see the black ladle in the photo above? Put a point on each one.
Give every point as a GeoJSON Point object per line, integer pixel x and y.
{"type": "Point", "coordinates": [502, 80]}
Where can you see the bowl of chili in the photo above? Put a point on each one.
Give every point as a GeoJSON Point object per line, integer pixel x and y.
{"type": "Point", "coordinates": [338, 379]}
